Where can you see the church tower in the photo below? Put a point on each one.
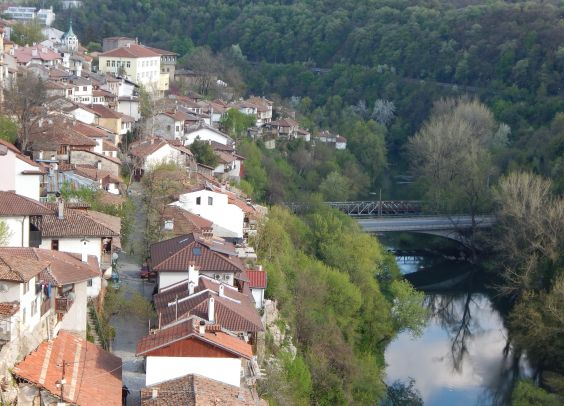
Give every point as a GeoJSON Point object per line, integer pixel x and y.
{"type": "Point", "coordinates": [70, 39]}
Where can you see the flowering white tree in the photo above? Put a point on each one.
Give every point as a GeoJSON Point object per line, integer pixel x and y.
{"type": "Point", "coordinates": [384, 111]}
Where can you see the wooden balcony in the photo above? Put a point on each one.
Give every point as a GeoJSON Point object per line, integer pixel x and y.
{"type": "Point", "coordinates": [63, 304]}
{"type": "Point", "coordinates": [45, 306]}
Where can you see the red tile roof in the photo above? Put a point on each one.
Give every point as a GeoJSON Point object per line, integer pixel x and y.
{"type": "Point", "coordinates": [189, 329]}
{"type": "Point", "coordinates": [235, 312]}
{"type": "Point", "coordinates": [185, 222]}
{"type": "Point", "coordinates": [257, 279]}
{"type": "Point", "coordinates": [93, 376]}
{"type": "Point", "coordinates": [178, 253]}
{"type": "Point", "coordinates": [8, 309]}
{"type": "Point", "coordinates": [131, 51]}
{"type": "Point", "coordinates": [90, 130]}
{"type": "Point", "coordinates": [12, 204]}
{"type": "Point", "coordinates": [104, 112]}
{"type": "Point", "coordinates": [58, 132]}
{"type": "Point", "coordinates": [25, 54]}
{"type": "Point", "coordinates": [21, 264]}
{"type": "Point", "coordinates": [196, 390]}
{"type": "Point", "coordinates": [77, 223]}
{"type": "Point", "coordinates": [144, 148]}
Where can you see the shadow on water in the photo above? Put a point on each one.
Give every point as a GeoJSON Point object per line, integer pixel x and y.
{"type": "Point", "coordinates": [463, 356]}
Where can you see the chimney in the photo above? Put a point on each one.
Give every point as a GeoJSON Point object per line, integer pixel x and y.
{"type": "Point", "coordinates": [202, 327]}
{"type": "Point", "coordinates": [190, 288]}
{"type": "Point", "coordinates": [211, 310]}
{"type": "Point", "coordinates": [84, 256]}
{"type": "Point", "coordinates": [193, 275]}
{"type": "Point", "coordinates": [221, 290]}
{"type": "Point", "coordinates": [34, 52]}
{"type": "Point", "coordinates": [155, 393]}
{"type": "Point", "coordinates": [99, 165]}
{"type": "Point", "coordinates": [61, 209]}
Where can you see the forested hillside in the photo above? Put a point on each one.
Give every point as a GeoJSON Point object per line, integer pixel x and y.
{"type": "Point", "coordinates": [510, 54]}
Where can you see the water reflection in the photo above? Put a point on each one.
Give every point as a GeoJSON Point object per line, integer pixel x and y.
{"type": "Point", "coordinates": [462, 357]}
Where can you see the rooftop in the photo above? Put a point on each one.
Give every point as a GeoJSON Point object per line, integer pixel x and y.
{"type": "Point", "coordinates": [12, 204]}
{"type": "Point", "coordinates": [78, 223]}
{"type": "Point", "coordinates": [196, 390]}
{"type": "Point", "coordinates": [189, 329]}
{"type": "Point", "coordinates": [131, 51]}
{"type": "Point", "coordinates": [93, 375]}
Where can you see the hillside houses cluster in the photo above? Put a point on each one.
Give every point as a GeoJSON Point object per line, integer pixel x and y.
{"type": "Point", "coordinates": [58, 256]}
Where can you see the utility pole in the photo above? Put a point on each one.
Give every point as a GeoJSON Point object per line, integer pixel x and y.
{"type": "Point", "coordinates": [380, 204]}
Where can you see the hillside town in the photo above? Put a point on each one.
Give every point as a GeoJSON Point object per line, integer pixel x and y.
{"type": "Point", "coordinates": [63, 259]}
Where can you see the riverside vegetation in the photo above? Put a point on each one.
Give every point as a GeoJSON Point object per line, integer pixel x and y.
{"type": "Point", "coordinates": [393, 77]}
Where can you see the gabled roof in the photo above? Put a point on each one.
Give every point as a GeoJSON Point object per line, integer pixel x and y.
{"type": "Point", "coordinates": [12, 204]}
{"type": "Point", "coordinates": [104, 112]}
{"type": "Point", "coordinates": [90, 130]}
{"type": "Point", "coordinates": [19, 268]}
{"type": "Point", "coordinates": [131, 51]}
{"type": "Point", "coordinates": [185, 222]}
{"type": "Point", "coordinates": [25, 54]}
{"type": "Point", "coordinates": [93, 375]}
{"type": "Point", "coordinates": [50, 135]}
{"type": "Point", "coordinates": [178, 253]}
{"type": "Point", "coordinates": [144, 148]}
{"type": "Point", "coordinates": [196, 390]}
{"type": "Point", "coordinates": [257, 279]}
{"type": "Point", "coordinates": [77, 223]}
{"type": "Point", "coordinates": [233, 311]}
{"type": "Point", "coordinates": [189, 329]}
{"type": "Point", "coordinates": [162, 51]}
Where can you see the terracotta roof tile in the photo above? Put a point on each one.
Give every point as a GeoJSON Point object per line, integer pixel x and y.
{"type": "Point", "coordinates": [131, 51]}
{"type": "Point", "coordinates": [178, 253]}
{"type": "Point", "coordinates": [76, 223]}
{"type": "Point", "coordinates": [93, 376]}
{"type": "Point", "coordinates": [58, 132]}
{"type": "Point", "coordinates": [12, 204]}
{"type": "Point", "coordinates": [196, 390]}
{"type": "Point", "coordinates": [104, 112]}
{"type": "Point", "coordinates": [8, 309]}
{"type": "Point", "coordinates": [257, 279]}
{"type": "Point", "coordinates": [189, 329]}
{"type": "Point", "coordinates": [185, 222]}
{"type": "Point", "coordinates": [235, 312]}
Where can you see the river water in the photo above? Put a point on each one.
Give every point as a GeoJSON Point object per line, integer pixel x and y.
{"type": "Point", "coordinates": [462, 357]}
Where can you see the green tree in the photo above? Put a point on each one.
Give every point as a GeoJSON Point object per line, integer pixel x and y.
{"type": "Point", "coordinates": [26, 33]}
{"type": "Point", "coordinates": [236, 123]}
{"type": "Point", "coordinates": [203, 152]}
{"type": "Point", "coordinates": [8, 129]}
{"type": "Point", "coordinates": [335, 187]}
{"type": "Point", "coordinates": [527, 394]}
{"type": "Point", "coordinates": [5, 234]}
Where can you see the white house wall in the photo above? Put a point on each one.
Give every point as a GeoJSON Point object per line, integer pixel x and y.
{"type": "Point", "coordinates": [84, 116]}
{"type": "Point", "coordinates": [171, 278]}
{"type": "Point", "coordinates": [258, 295]}
{"type": "Point", "coordinates": [205, 134]}
{"type": "Point", "coordinates": [93, 246]}
{"type": "Point", "coordinates": [160, 369]}
{"type": "Point", "coordinates": [19, 231]}
{"type": "Point", "coordinates": [164, 154]}
{"type": "Point", "coordinates": [75, 319]}
{"type": "Point", "coordinates": [227, 218]}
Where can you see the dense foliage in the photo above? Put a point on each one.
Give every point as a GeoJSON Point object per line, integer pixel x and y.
{"type": "Point", "coordinates": [409, 52]}
{"type": "Point", "coordinates": [340, 292]}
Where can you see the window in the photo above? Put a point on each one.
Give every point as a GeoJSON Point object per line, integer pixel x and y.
{"type": "Point", "coordinates": [217, 276]}
{"type": "Point", "coordinates": [108, 63]}
{"type": "Point", "coordinates": [113, 64]}
{"type": "Point", "coordinates": [129, 64]}
{"type": "Point", "coordinates": [54, 245]}
{"type": "Point", "coordinates": [210, 201]}
{"type": "Point", "coordinates": [168, 127]}
{"type": "Point", "coordinates": [62, 150]}
{"type": "Point", "coordinates": [77, 89]}
{"type": "Point", "coordinates": [198, 200]}
{"type": "Point", "coordinates": [226, 277]}
{"type": "Point", "coordinates": [89, 283]}
{"type": "Point", "coordinates": [197, 251]}
{"type": "Point", "coordinates": [84, 88]}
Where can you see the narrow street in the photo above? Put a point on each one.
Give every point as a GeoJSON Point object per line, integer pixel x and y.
{"type": "Point", "coordinates": [130, 329]}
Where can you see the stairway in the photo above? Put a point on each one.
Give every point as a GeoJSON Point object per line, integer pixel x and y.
{"type": "Point", "coordinates": [92, 328]}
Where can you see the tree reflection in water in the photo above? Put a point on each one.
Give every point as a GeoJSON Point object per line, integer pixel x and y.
{"type": "Point", "coordinates": [454, 314]}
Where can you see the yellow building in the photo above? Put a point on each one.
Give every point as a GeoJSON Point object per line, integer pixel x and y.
{"type": "Point", "coordinates": [137, 63]}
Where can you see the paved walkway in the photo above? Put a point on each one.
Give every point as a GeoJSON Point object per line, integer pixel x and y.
{"type": "Point", "coordinates": [130, 329]}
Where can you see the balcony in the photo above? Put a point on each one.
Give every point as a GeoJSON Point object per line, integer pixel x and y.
{"type": "Point", "coordinates": [35, 239]}
{"type": "Point", "coordinates": [63, 304]}
{"type": "Point", "coordinates": [45, 306]}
